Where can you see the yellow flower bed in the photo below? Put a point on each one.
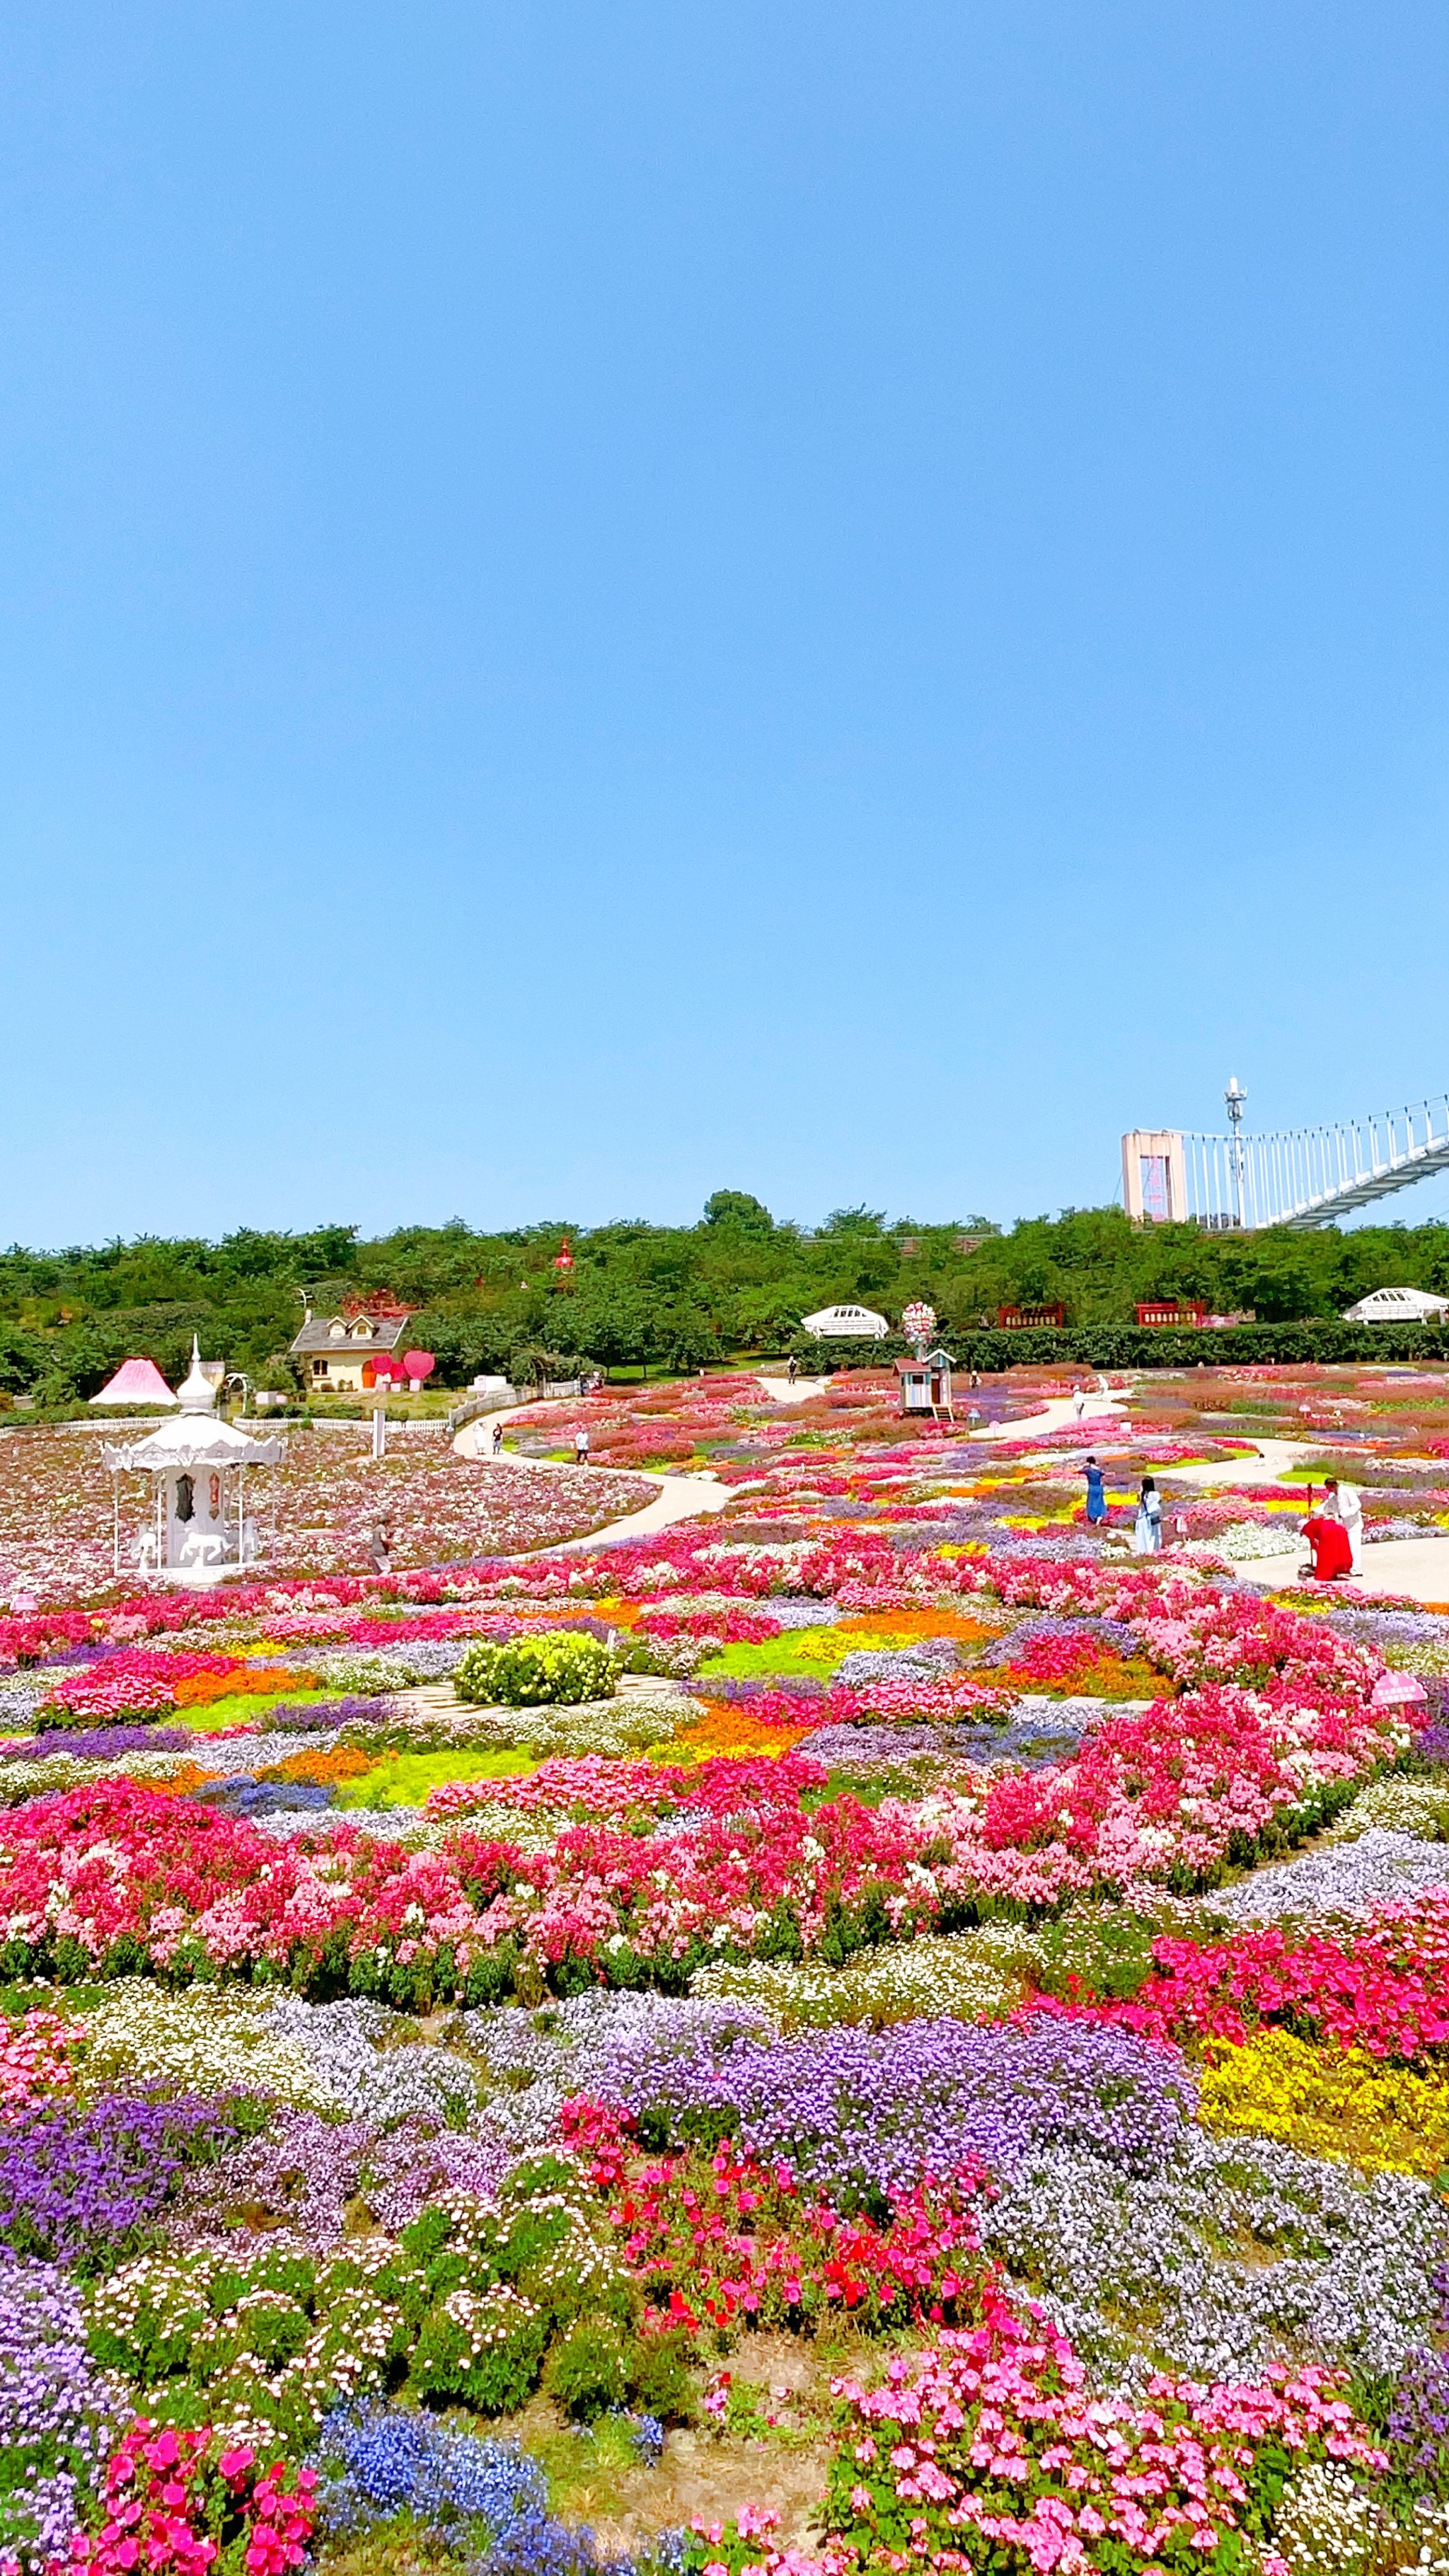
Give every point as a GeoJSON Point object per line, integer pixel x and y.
{"type": "Point", "coordinates": [1345, 2104]}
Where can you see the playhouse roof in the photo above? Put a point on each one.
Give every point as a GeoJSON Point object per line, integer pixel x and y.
{"type": "Point", "coordinates": [135, 1382]}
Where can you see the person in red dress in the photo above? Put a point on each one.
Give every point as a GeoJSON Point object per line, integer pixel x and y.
{"type": "Point", "coordinates": [1332, 1553]}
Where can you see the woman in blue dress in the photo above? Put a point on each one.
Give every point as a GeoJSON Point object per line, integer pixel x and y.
{"type": "Point", "coordinates": [1096, 1496]}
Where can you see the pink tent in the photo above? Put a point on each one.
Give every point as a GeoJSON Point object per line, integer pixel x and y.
{"type": "Point", "coordinates": [136, 1382]}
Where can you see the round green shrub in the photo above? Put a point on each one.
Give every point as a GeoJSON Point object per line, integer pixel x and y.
{"type": "Point", "coordinates": [588, 2372]}
{"type": "Point", "coordinates": [483, 2349]}
{"type": "Point", "coordinates": [562, 1665]}
{"type": "Point", "coordinates": [659, 2377]}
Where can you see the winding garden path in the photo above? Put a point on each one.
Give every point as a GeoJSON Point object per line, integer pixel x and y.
{"type": "Point", "coordinates": [680, 1498]}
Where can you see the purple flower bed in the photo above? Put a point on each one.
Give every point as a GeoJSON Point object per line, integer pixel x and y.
{"type": "Point", "coordinates": [58, 2418]}
{"type": "Point", "coordinates": [743, 1689]}
{"type": "Point", "coordinates": [1418, 2423]}
{"type": "Point", "coordinates": [301, 2173]}
{"type": "Point", "coordinates": [865, 2114]}
{"type": "Point", "coordinates": [320, 1717]}
{"type": "Point", "coordinates": [409, 2167]}
{"type": "Point", "coordinates": [77, 2183]}
{"type": "Point", "coordinates": [99, 1743]}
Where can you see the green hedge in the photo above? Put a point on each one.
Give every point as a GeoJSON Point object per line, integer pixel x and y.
{"type": "Point", "coordinates": [823, 1358]}
{"type": "Point", "coordinates": [1107, 1346]}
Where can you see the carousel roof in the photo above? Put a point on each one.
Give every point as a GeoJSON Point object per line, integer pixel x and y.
{"type": "Point", "coordinates": [198, 1438]}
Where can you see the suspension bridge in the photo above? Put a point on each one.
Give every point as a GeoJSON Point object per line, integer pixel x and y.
{"type": "Point", "coordinates": [1300, 1177]}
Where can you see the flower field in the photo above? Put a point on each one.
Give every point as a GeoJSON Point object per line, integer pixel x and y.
{"type": "Point", "coordinates": [872, 2031]}
{"type": "Point", "coordinates": [316, 1511]}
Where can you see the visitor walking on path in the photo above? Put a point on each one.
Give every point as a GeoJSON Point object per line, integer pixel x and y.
{"type": "Point", "coordinates": [497, 1438]}
{"type": "Point", "coordinates": [1096, 1494]}
{"type": "Point", "coordinates": [581, 1447]}
{"type": "Point", "coordinates": [1147, 1528]}
{"type": "Point", "coordinates": [1079, 1401]}
{"type": "Point", "coordinates": [793, 1371]}
{"type": "Point", "coordinates": [1341, 1503]}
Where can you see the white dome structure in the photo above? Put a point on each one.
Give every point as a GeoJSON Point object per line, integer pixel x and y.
{"type": "Point", "coordinates": [199, 1463]}
{"type": "Point", "coordinates": [846, 1323]}
{"type": "Point", "coordinates": [1397, 1306]}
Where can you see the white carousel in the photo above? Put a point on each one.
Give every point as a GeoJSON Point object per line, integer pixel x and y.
{"type": "Point", "coordinates": [200, 1524]}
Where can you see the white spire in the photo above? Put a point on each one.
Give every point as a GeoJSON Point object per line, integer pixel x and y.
{"type": "Point", "coordinates": [196, 1393]}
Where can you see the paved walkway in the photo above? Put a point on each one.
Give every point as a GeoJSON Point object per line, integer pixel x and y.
{"type": "Point", "coordinates": [680, 1498]}
{"type": "Point", "coordinates": [1416, 1567]}
{"type": "Point", "coordinates": [1057, 1411]}
{"type": "Point", "coordinates": [1271, 1464]}
{"type": "Point", "coordinates": [800, 1393]}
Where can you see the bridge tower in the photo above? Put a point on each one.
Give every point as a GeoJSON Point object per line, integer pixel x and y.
{"type": "Point", "coordinates": [1154, 1175]}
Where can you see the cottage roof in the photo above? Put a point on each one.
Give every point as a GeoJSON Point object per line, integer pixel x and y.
{"type": "Point", "coordinates": [363, 1333]}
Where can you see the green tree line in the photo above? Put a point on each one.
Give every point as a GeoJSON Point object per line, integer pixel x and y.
{"type": "Point", "coordinates": [678, 1297]}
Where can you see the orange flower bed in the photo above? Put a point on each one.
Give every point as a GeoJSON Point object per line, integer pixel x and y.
{"type": "Point", "coordinates": [895, 1624]}
{"type": "Point", "coordinates": [319, 1770]}
{"type": "Point", "coordinates": [734, 1733]}
{"type": "Point", "coordinates": [262, 1681]}
{"type": "Point", "coordinates": [180, 1783]}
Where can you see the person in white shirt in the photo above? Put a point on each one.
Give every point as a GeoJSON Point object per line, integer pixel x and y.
{"type": "Point", "coordinates": [1341, 1503]}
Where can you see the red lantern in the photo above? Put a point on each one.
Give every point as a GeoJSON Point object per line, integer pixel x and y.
{"type": "Point", "coordinates": [563, 1259]}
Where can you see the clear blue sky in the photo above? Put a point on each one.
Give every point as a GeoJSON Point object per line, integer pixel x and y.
{"type": "Point", "coordinates": [602, 601]}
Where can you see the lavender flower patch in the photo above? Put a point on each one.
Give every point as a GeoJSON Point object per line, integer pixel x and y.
{"type": "Point", "coordinates": [805, 1614]}
{"type": "Point", "coordinates": [77, 2183]}
{"type": "Point", "coordinates": [387, 1824]}
{"type": "Point", "coordinates": [1379, 1868]}
{"type": "Point", "coordinates": [372, 2081]}
{"type": "Point", "coordinates": [59, 2418]}
{"type": "Point", "coordinates": [535, 2060]}
{"type": "Point", "coordinates": [863, 2115]}
{"type": "Point", "coordinates": [300, 2174]}
{"type": "Point", "coordinates": [1418, 2421]}
{"type": "Point", "coordinates": [884, 1748]}
{"type": "Point", "coordinates": [925, 1662]}
{"type": "Point", "coordinates": [411, 2165]}
{"type": "Point", "coordinates": [320, 1717]}
{"type": "Point", "coordinates": [1386, 1628]}
{"type": "Point", "coordinates": [1133, 2265]}
{"type": "Point", "coordinates": [1111, 1633]}
{"type": "Point", "coordinates": [19, 1700]}
{"type": "Point", "coordinates": [742, 1688]}
{"type": "Point", "coordinates": [99, 1743]}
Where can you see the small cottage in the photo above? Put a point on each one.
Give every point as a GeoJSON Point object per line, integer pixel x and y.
{"type": "Point", "coordinates": [339, 1354]}
{"type": "Point", "coordinates": [925, 1383]}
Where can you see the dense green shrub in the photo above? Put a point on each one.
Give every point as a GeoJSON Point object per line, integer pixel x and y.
{"type": "Point", "coordinates": [561, 1665]}
{"type": "Point", "coordinates": [481, 2347]}
{"type": "Point", "coordinates": [660, 2377]}
{"type": "Point", "coordinates": [588, 2374]}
